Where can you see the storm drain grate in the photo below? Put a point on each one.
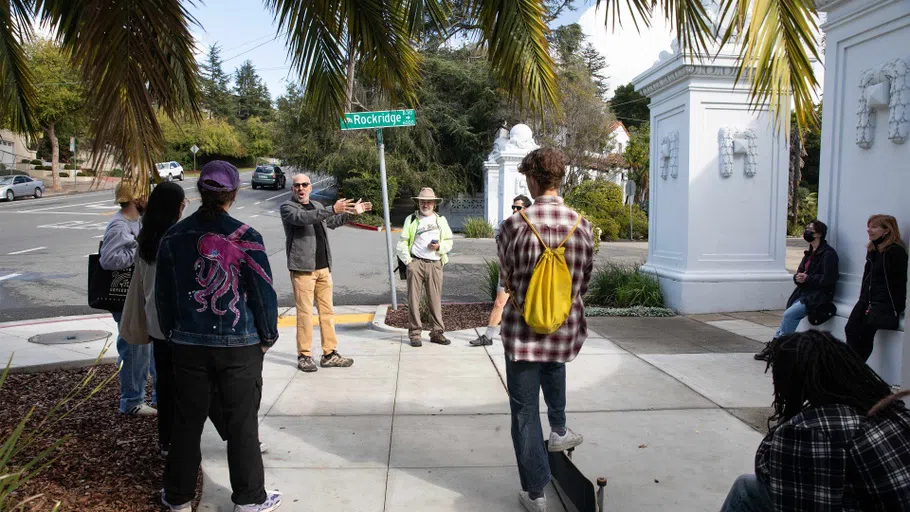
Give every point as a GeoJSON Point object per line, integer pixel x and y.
{"type": "Point", "coordinates": [66, 337]}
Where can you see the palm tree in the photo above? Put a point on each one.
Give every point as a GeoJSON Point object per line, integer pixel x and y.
{"type": "Point", "coordinates": [136, 55]}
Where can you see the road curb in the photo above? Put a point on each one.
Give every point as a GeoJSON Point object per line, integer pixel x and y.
{"type": "Point", "coordinates": [62, 365]}
{"type": "Point", "coordinates": [378, 323]}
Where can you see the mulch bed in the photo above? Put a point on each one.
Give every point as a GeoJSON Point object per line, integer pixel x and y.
{"type": "Point", "coordinates": [110, 462]}
{"type": "Point", "coordinates": [455, 316]}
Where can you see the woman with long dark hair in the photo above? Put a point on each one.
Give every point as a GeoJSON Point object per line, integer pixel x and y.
{"type": "Point", "coordinates": [165, 207]}
{"type": "Point", "coordinates": [840, 439]}
{"type": "Point", "coordinates": [883, 294]}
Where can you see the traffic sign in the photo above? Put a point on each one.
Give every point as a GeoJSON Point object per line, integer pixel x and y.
{"type": "Point", "coordinates": [381, 119]}
{"type": "Point", "coordinates": [194, 149]}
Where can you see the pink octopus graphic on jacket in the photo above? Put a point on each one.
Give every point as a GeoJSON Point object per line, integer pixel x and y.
{"type": "Point", "coordinates": [225, 255]}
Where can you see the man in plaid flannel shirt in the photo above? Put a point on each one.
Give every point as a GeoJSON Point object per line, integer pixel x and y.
{"type": "Point", "coordinates": [535, 361]}
{"type": "Point", "coordinates": [843, 440]}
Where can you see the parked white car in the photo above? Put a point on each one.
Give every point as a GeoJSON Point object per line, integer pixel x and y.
{"type": "Point", "coordinates": [170, 171]}
{"type": "Point", "coordinates": [12, 187]}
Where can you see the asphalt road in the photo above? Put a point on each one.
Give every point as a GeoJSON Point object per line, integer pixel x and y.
{"type": "Point", "coordinates": [45, 243]}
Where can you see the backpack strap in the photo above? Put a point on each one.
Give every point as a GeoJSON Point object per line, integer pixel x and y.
{"type": "Point", "coordinates": [533, 229]}
{"type": "Point", "coordinates": [571, 231]}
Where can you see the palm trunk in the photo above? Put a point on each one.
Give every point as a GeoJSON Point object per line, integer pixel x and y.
{"type": "Point", "coordinates": [796, 174]}
{"type": "Point", "coordinates": [55, 157]}
{"type": "Point", "coordinates": [349, 91]}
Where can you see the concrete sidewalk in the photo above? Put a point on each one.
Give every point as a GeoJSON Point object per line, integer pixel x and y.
{"type": "Point", "coordinates": [659, 402]}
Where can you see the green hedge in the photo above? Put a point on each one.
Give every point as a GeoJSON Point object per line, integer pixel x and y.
{"type": "Point", "coordinates": [623, 286]}
{"type": "Point", "coordinates": [476, 227]}
{"type": "Point", "coordinates": [601, 203]}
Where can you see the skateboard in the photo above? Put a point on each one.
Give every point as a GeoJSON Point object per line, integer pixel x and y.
{"type": "Point", "coordinates": [575, 491]}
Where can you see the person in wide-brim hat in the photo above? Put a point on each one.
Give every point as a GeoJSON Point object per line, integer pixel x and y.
{"type": "Point", "coordinates": [426, 194]}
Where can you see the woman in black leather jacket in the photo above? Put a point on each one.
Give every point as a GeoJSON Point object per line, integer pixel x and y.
{"type": "Point", "coordinates": [883, 295]}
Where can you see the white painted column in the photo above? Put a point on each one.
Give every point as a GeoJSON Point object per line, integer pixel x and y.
{"type": "Point", "coordinates": [718, 190]}
{"type": "Point", "coordinates": [502, 166]}
{"type": "Point", "coordinates": [865, 152]}
{"type": "Point", "coordinates": [491, 205]}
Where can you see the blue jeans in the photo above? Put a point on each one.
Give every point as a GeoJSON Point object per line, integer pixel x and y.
{"type": "Point", "coordinates": [525, 381]}
{"type": "Point", "coordinates": [792, 317]}
{"type": "Point", "coordinates": [748, 494]}
{"type": "Point", "coordinates": [138, 361]}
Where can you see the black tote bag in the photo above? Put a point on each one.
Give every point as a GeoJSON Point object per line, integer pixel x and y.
{"type": "Point", "coordinates": [107, 289]}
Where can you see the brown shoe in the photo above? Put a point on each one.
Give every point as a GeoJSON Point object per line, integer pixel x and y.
{"type": "Point", "coordinates": [335, 360]}
{"type": "Point", "coordinates": [306, 364]}
{"type": "Point", "coordinates": [415, 341]}
{"type": "Point", "coordinates": [439, 339]}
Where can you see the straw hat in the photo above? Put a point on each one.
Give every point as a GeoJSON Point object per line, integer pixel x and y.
{"type": "Point", "coordinates": [426, 194]}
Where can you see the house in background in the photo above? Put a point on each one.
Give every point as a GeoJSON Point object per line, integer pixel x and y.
{"type": "Point", "coordinates": [14, 149]}
{"type": "Point", "coordinates": [610, 165]}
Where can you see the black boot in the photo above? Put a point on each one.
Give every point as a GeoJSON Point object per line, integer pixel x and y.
{"type": "Point", "coordinates": [765, 353]}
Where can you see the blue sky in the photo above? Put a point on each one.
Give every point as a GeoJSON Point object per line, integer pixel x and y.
{"type": "Point", "coordinates": [245, 30]}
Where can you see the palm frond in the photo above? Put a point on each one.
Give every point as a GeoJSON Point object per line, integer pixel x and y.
{"type": "Point", "coordinates": [417, 11]}
{"type": "Point", "coordinates": [778, 41]}
{"type": "Point", "coordinates": [136, 57]}
{"type": "Point", "coordinates": [320, 35]}
{"type": "Point", "coordinates": [17, 89]}
{"type": "Point", "coordinates": [516, 37]}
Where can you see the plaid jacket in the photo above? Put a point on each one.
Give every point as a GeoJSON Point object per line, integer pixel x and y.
{"type": "Point", "coordinates": [834, 457]}
{"type": "Point", "coordinates": [518, 253]}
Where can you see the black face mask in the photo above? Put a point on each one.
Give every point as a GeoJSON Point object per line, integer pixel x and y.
{"type": "Point", "coordinates": [879, 240]}
{"type": "Point", "coordinates": [808, 236]}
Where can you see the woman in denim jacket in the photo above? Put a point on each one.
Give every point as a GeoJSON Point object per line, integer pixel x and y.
{"type": "Point", "coordinates": [217, 307]}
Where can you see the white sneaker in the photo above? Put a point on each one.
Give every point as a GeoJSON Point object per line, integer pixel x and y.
{"type": "Point", "coordinates": [538, 505]}
{"type": "Point", "coordinates": [142, 410]}
{"type": "Point", "coordinates": [560, 443]}
{"type": "Point", "coordinates": [186, 507]}
{"type": "Point", "coordinates": [272, 502]}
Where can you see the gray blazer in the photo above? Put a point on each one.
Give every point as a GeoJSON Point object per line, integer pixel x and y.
{"type": "Point", "coordinates": [300, 233]}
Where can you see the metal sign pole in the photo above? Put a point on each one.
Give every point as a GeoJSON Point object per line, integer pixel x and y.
{"type": "Point", "coordinates": [385, 213]}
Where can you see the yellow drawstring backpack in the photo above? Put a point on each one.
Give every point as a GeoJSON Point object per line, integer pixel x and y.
{"type": "Point", "coordinates": [549, 298]}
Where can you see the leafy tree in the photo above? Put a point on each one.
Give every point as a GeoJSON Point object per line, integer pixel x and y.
{"type": "Point", "coordinates": [252, 98]}
{"type": "Point", "coordinates": [216, 94]}
{"type": "Point", "coordinates": [258, 138]}
{"type": "Point", "coordinates": [630, 106]}
{"type": "Point", "coordinates": [567, 41]}
{"type": "Point", "coordinates": [638, 156]}
{"type": "Point", "coordinates": [60, 96]}
{"type": "Point", "coordinates": [216, 138]}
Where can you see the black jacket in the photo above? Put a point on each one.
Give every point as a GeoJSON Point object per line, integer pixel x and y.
{"type": "Point", "coordinates": [884, 272]}
{"type": "Point", "coordinates": [821, 277]}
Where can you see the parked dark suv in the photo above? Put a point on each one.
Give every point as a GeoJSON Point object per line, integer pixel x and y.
{"type": "Point", "coordinates": [269, 176]}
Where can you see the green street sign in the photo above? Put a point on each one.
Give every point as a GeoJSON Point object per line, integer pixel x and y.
{"type": "Point", "coordinates": [383, 119]}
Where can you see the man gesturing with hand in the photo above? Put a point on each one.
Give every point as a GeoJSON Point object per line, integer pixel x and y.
{"type": "Point", "coordinates": [310, 263]}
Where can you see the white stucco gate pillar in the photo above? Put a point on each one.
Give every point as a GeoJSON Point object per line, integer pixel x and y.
{"type": "Point", "coordinates": [502, 180]}
{"type": "Point", "coordinates": [865, 154]}
{"type": "Point", "coordinates": [718, 191]}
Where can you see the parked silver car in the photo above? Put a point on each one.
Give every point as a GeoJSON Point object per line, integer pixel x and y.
{"type": "Point", "coordinates": [12, 187]}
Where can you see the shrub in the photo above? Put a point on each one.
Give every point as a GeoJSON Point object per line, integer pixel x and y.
{"type": "Point", "coordinates": [492, 278]}
{"type": "Point", "coordinates": [371, 219]}
{"type": "Point", "coordinates": [639, 223]}
{"type": "Point", "coordinates": [36, 162]}
{"type": "Point", "coordinates": [86, 172]}
{"type": "Point", "coordinates": [808, 210]}
{"type": "Point", "coordinates": [25, 161]}
{"type": "Point", "coordinates": [623, 286]}
{"type": "Point", "coordinates": [69, 167]}
{"type": "Point", "coordinates": [367, 186]}
{"type": "Point", "coordinates": [116, 173]}
{"type": "Point", "coordinates": [63, 175]}
{"type": "Point", "coordinates": [633, 311]}
{"type": "Point", "coordinates": [476, 227]}
{"type": "Point", "coordinates": [601, 202]}
{"type": "Point", "coordinates": [43, 168]}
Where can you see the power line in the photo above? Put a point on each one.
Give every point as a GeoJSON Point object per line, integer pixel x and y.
{"type": "Point", "coordinates": [248, 51]}
{"type": "Point", "coordinates": [630, 101]}
{"type": "Point", "coordinates": [241, 45]}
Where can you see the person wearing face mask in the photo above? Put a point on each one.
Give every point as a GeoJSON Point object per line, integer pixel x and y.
{"type": "Point", "coordinates": [883, 293]}
{"type": "Point", "coordinates": [815, 279]}
{"type": "Point", "coordinates": [425, 241]}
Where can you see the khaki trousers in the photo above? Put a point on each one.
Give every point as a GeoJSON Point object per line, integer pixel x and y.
{"type": "Point", "coordinates": [307, 286]}
{"type": "Point", "coordinates": [424, 275]}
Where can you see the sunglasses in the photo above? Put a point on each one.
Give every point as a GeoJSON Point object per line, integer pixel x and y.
{"type": "Point", "coordinates": [516, 208]}
{"type": "Point", "coordinates": [301, 185]}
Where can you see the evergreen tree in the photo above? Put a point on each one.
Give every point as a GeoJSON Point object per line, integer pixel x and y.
{"type": "Point", "coordinates": [216, 95]}
{"type": "Point", "coordinates": [596, 64]}
{"type": "Point", "coordinates": [630, 106]}
{"type": "Point", "coordinates": [251, 96]}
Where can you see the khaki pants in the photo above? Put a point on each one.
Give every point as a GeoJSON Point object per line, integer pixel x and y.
{"type": "Point", "coordinates": [307, 286]}
{"type": "Point", "coordinates": [424, 274]}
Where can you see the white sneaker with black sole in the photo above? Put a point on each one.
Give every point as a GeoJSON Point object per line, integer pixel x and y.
{"type": "Point", "coordinates": [272, 502]}
{"type": "Point", "coordinates": [186, 507]}
{"type": "Point", "coordinates": [560, 443]}
{"type": "Point", "coordinates": [538, 505]}
{"type": "Point", "coordinates": [142, 410]}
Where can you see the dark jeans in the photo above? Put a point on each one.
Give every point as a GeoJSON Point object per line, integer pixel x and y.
{"type": "Point", "coordinates": [860, 335]}
{"type": "Point", "coordinates": [525, 381]}
{"type": "Point", "coordinates": [237, 373]}
{"type": "Point", "coordinates": [748, 494]}
{"type": "Point", "coordinates": [166, 389]}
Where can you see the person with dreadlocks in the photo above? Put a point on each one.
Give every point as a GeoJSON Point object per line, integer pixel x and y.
{"type": "Point", "coordinates": [842, 439]}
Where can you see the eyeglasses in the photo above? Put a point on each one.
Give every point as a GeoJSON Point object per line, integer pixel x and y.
{"type": "Point", "coordinates": [301, 185]}
{"type": "Point", "coordinates": [516, 208]}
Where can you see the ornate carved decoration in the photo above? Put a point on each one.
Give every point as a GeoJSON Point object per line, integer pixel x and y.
{"type": "Point", "coordinates": [733, 141]}
{"type": "Point", "coordinates": [896, 88]}
{"type": "Point", "coordinates": [687, 70]}
{"type": "Point", "coordinates": [669, 155]}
